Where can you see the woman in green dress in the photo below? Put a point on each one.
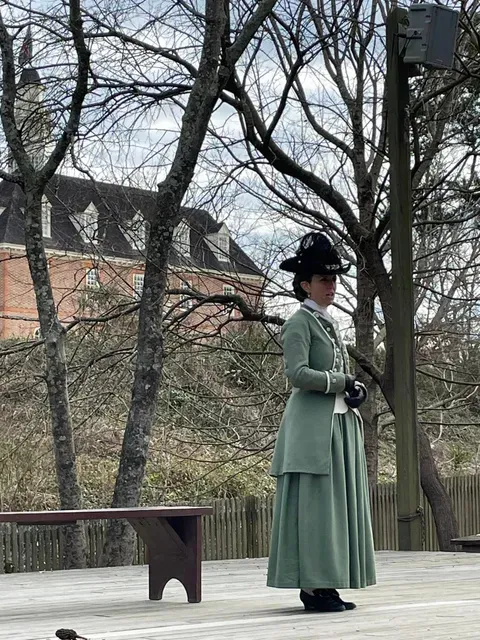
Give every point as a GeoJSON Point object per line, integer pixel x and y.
{"type": "Point", "coordinates": [322, 534]}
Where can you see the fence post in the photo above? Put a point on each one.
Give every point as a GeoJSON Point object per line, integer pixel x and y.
{"type": "Point", "coordinates": [251, 513]}
{"type": "Point", "coordinates": [3, 543]}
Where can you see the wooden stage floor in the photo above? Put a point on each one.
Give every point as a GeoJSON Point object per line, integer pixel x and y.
{"type": "Point", "coordinates": [434, 596]}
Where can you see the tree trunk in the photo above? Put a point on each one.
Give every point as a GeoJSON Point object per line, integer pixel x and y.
{"type": "Point", "coordinates": [364, 339]}
{"type": "Point", "coordinates": [34, 183]}
{"type": "Point", "coordinates": [370, 429]}
{"type": "Point", "coordinates": [438, 498]}
{"type": "Point", "coordinates": [214, 71]}
{"type": "Point", "coordinates": [56, 380]}
{"type": "Point", "coordinates": [119, 544]}
{"type": "Point", "coordinates": [436, 494]}
{"type": "Point", "coordinates": [118, 547]}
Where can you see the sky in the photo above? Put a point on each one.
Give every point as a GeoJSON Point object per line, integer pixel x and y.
{"type": "Point", "coordinates": [133, 141]}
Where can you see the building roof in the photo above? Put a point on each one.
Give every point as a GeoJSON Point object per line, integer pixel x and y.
{"type": "Point", "coordinates": [28, 76]}
{"type": "Point", "coordinates": [117, 207]}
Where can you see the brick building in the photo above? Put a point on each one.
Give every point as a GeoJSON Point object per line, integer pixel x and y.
{"type": "Point", "coordinates": [95, 236]}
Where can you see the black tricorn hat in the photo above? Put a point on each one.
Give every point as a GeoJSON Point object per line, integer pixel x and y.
{"type": "Point", "coordinates": [315, 255]}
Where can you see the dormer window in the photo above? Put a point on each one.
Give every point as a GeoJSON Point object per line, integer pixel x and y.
{"type": "Point", "coordinates": [46, 218]}
{"type": "Point", "coordinates": [88, 223]}
{"type": "Point", "coordinates": [220, 244]}
{"type": "Point", "coordinates": [223, 247]}
{"type": "Point", "coordinates": [181, 239]}
{"type": "Point", "coordinates": [138, 232]}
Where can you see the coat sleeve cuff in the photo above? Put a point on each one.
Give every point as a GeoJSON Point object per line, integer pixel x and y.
{"type": "Point", "coordinates": [335, 382]}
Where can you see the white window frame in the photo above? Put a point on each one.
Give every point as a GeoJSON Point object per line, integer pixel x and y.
{"type": "Point", "coordinates": [228, 290]}
{"type": "Point", "coordinates": [220, 244]}
{"type": "Point", "coordinates": [181, 239]}
{"type": "Point", "coordinates": [46, 218]}
{"type": "Point", "coordinates": [186, 302]}
{"type": "Point", "coordinates": [136, 279]}
{"type": "Point", "coordinates": [92, 278]}
{"type": "Point", "coordinates": [138, 232]}
{"type": "Point", "coordinates": [88, 220]}
{"type": "Point", "coordinates": [223, 247]}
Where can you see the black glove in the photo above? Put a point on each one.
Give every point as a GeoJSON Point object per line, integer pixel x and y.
{"type": "Point", "coordinates": [357, 395]}
{"type": "Point", "coordinates": [349, 383]}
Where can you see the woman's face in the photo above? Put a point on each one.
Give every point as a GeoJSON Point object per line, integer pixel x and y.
{"type": "Point", "coordinates": [321, 289]}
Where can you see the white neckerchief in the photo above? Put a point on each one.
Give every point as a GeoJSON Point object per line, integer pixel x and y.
{"type": "Point", "coordinates": [321, 310]}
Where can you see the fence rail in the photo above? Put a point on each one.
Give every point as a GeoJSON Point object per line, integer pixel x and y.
{"type": "Point", "coordinates": [238, 528]}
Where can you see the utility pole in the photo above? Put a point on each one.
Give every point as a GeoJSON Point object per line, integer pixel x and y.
{"type": "Point", "coordinates": [410, 521]}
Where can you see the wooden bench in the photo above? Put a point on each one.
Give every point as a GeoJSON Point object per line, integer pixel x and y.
{"type": "Point", "coordinates": [471, 544]}
{"type": "Point", "coordinates": [172, 535]}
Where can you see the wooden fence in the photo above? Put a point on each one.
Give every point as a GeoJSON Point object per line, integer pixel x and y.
{"type": "Point", "coordinates": [239, 528]}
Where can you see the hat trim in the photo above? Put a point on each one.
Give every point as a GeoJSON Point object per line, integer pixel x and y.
{"type": "Point", "coordinates": [295, 265]}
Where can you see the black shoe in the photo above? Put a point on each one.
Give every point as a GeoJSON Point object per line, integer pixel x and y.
{"type": "Point", "coordinates": [321, 601]}
{"type": "Point", "coordinates": [348, 605]}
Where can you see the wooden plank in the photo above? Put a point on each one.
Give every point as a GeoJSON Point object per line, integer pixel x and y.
{"type": "Point", "coordinates": [228, 529]}
{"type": "Point", "coordinates": [244, 529]}
{"type": "Point", "coordinates": [41, 549]}
{"type": "Point", "coordinates": [2, 549]}
{"type": "Point", "coordinates": [34, 531]}
{"type": "Point", "coordinates": [55, 517]}
{"type": "Point", "coordinates": [48, 532]}
{"type": "Point", "coordinates": [207, 555]}
{"type": "Point", "coordinates": [21, 550]}
{"type": "Point", "coordinates": [15, 560]}
{"type": "Point", "coordinates": [222, 530]}
{"type": "Point", "coordinates": [251, 520]}
{"type": "Point", "coordinates": [238, 529]}
{"type": "Point", "coordinates": [8, 546]}
{"type": "Point", "coordinates": [58, 556]}
{"type": "Point", "coordinates": [28, 549]}
{"type": "Point", "coordinates": [216, 532]}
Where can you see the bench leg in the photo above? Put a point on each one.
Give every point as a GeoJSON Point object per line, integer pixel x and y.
{"type": "Point", "coordinates": [174, 547]}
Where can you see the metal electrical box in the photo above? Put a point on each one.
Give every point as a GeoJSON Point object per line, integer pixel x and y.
{"type": "Point", "coordinates": [431, 35]}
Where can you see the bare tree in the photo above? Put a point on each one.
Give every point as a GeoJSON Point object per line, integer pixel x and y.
{"type": "Point", "coordinates": [313, 115]}
{"type": "Point", "coordinates": [33, 176]}
{"type": "Point", "coordinates": [307, 82]}
{"type": "Point", "coordinates": [217, 63]}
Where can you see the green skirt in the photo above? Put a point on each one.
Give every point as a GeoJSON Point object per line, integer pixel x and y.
{"type": "Point", "coordinates": [322, 533]}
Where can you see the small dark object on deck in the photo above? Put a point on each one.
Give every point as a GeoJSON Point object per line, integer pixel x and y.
{"type": "Point", "coordinates": [68, 634]}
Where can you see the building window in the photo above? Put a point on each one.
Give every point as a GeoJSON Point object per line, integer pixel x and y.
{"type": "Point", "coordinates": [223, 247]}
{"type": "Point", "coordinates": [181, 239]}
{"type": "Point", "coordinates": [228, 290]}
{"type": "Point", "coordinates": [186, 302]}
{"type": "Point", "coordinates": [138, 232]}
{"type": "Point", "coordinates": [220, 244]}
{"type": "Point", "coordinates": [138, 280]}
{"type": "Point", "coordinates": [89, 223]}
{"type": "Point", "coordinates": [92, 278]}
{"type": "Point", "coordinates": [46, 218]}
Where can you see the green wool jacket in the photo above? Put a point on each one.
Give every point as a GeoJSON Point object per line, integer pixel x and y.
{"type": "Point", "coordinates": [315, 363]}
